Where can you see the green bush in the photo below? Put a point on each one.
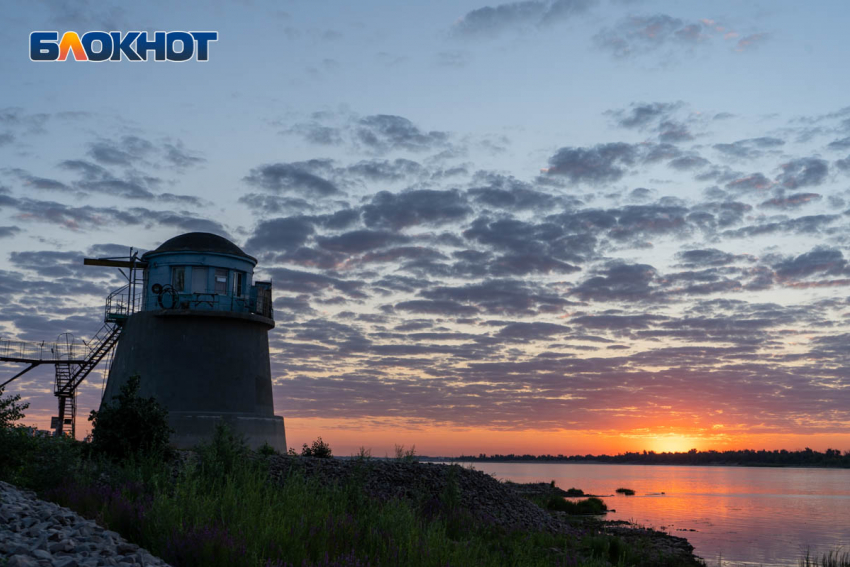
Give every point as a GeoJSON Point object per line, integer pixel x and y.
{"type": "Point", "coordinates": [130, 426]}
{"type": "Point", "coordinates": [37, 463]}
{"type": "Point", "coordinates": [575, 492]}
{"type": "Point", "coordinates": [406, 456]}
{"type": "Point", "coordinates": [15, 446]}
{"type": "Point", "coordinates": [363, 454]}
{"type": "Point", "coordinates": [318, 449]}
{"type": "Point", "coordinates": [593, 506]}
{"type": "Point", "coordinates": [51, 460]}
{"type": "Point", "coordinates": [267, 450]}
{"type": "Point", "coordinates": [10, 410]}
{"type": "Point", "coordinates": [16, 443]}
{"type": "Point", "coordinates": [626, 491]}
{"type": "Point", "coordinates": [223, 453]}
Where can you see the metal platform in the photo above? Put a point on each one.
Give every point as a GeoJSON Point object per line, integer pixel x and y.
{"type": "Point", "coordinates": [74, 360]}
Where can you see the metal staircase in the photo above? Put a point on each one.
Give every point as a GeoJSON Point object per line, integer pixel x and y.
{"type": "Point", "coordinates": [69, 376]}
{"type": "Point", "coordinates": [65, 423]}
{"type": "Point", "coordinates": [72, 360]}
{"type": "Point", "coordinates": [99, 347]}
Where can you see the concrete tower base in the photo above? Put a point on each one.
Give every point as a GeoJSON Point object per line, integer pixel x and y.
{"type": "Point", "coordinates": [205, 367]}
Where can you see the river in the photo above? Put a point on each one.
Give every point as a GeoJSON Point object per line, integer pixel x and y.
{"type": "Point", "coordinates": [743, 516]}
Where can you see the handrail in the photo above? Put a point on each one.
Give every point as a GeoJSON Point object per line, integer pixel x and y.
{"type": "Point", "coordinates": [225, 302]}
{"type": "Point", "coordinates": [27, 351]}
{"type": "Point", "coordinates": [122, 303]}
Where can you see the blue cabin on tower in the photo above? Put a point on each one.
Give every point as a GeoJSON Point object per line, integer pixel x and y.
{"type": "Point", "coordinates": [203, 271]}
{"type": "Point", "coordinates": [197, 336]}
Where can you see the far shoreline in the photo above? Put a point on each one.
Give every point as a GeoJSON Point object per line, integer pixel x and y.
{"type": "Point", "coordinates": [450, 460]}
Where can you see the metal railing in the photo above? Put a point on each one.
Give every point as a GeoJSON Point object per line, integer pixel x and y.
{"type": "Point", "coordinates": [263, 305]}
{"type": "Point", "coordinates": [25, 351]}
{"type": "Point", "coordinates": [122, 303]}
{"type": "Point", "coordinates": [219, 302]}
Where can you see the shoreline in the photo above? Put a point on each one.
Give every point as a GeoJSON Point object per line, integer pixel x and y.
{"type": "Point", "coordinates": [470, 505]}
{"type": "Point", "coordinates": [667, 543]}
{"type": "Point", "coordinates": [440, 460]}
{"type": "Point", "coordinates": [487, 496]}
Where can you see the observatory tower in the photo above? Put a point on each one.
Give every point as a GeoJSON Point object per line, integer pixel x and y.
{"type": "Point", "coordinates": [198, 338]}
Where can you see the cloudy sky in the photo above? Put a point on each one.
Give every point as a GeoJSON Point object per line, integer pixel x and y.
{"type": "Point", "coordinates": [561, 226]}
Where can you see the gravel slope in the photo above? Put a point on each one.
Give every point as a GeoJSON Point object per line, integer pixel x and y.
{"type": "Point", "coordinates": [35, 533]}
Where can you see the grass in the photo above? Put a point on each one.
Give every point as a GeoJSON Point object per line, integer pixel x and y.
{"type": "Point", "coordinates": [221, 509]}
{"type": "Point", "coordinates": [626, 491]}
{"type": "Point", "coordinates": [241, 518]}
{"type": "Point", "coordinates": [834, 558]}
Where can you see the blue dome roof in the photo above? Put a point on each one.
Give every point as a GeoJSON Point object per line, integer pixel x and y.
{"type": "Point", "coordinates": [200, 242]}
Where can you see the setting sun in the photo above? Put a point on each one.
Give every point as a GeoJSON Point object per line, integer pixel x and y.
{"type": "Point", "coordinates": [671, 443]}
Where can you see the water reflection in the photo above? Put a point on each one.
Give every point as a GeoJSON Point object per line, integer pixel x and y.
{"type": "Point", "coordinates": [742, 515]}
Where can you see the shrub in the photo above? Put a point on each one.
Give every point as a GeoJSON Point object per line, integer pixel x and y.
{"type": "Point", "coordinates": [626, 491]}
{"type": "Point", "coordinates": [363, 454]}
{"type": "Point", "coordinates": [408, 456]}
{"type": "Point", "coordinates": [834, 558]}
{"type": "Point", "coordinates": [50, 461]}
{"type": "Point", "coordinates": [575, 492]}
{"type": "Point", "coordinates": [590, 506]}
{"type": "Point", "coordinates": [10, 409]}
{"type": "Point", "coordinates": [267, 450]}
{"type": "Point", "coordinates": [224, 452]}
{"type": "Point", "coordinates": [130, 426]}
{"type": "Point", "coordinates": [15, 442]}
{"type": "Point", "coordinates": [318, 449]}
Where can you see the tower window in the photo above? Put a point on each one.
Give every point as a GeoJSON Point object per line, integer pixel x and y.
{"type": "Point", "coordinates": [178, 278]}
{"type": "Point", "coordinates": [220, 281]}
{"type": "Point", "coordinates": [199, 280]}
{"type": "Point", "coordinates": [238, 283]}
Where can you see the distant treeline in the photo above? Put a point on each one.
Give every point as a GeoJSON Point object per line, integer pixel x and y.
{"type": "Point", "coordinates": [746, 457]}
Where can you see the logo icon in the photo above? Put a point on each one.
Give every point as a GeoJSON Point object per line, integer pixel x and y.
{"type": "Point", "coordinates": [99, 46]}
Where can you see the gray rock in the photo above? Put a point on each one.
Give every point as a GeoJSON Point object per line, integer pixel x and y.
{"type": "Point", "coordinates": [85, 530]}
{"type": "Point", "coordinates": [28, 522]}
{"type": "Point", "coordinates": [37, 529]}
{"type": "Point", "coordinates": [56, 547]}
{"type": "Point", "coordinates": [124, 548]}
{"type": "Point", "coordinates": [17, 548]}
{"type": "Point", "coordinates": [21, 561]}
{"type": "Point", "coordinates": [39, 542]}
{"type": "Point", "coordinates": [35, 533]}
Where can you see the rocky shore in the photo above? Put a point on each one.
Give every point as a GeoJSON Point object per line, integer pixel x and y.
{"type": "Point", "coordinates": [662, 541]}
{"type": "Point", "coordinates": [504, 504]}
{"type": "Point", "coordinates": [35, 533]}
{"type": "Point", "coordinates": [544, 489]}
{"type": "Point", "coordinates": [480, 494]}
